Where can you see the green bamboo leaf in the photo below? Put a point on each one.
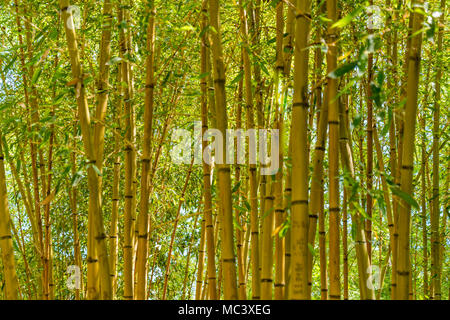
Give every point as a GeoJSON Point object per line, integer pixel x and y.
{"type": "Point", "coordinates": [114, 60]}
{"type": "Point", "coordinates": [96, 169]}
{"type": "Point", "coordinates": [324, 19]}
{"type": "Point", "coordinates": [284, 229]}
{"type": "Point", "coordinates": [263, 68]}
{"type": "Point", "coordinates": [347, 19]}
{"type": "Point", "coordinates": [269, 211]}
{"type": "Point", "coordinates": [340, 71]}
{"type": "Point", "coordinates": [237, 224]}
{"type": "Point", "coordinates": [241, 209]}
{"type": "Point", "coordinates": [311, 249]}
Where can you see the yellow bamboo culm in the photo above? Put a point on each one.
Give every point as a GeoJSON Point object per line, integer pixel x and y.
{"type": "Point", "coordinates": [211, 288]}
{"type": "Point", "coordinates": [254, 227]}
{"type": "Point", "coordinates": [100, 113]}
{"type": "Point", "coordinates": [97, 227]}
{"type": "Point", "coordinates": [287, 53]}
{"type": "Point", "coordinates": [279, 207]}
{"type": "Point", "coordinates": [143, 219]}
{"type": "Point", "coordinates": [298, 285]}
{"type": "Point", "coordinates": [435, 237]}
{"type": "Point", "coordinates": [226, 210]}
{"type": "Point", "coordinates": [333, 156]}
{"type": "Point", "coordinates": [240, 232]}
{"type": "Point", "coordinates": [369, 172]}
{"type": "Point", "coordinates": [362, 254]}
{"type": "Point", "coordinates": [201, 261]}
{"type": "Point", "coordinates": [30, 103]}
{"type": "Point", "coordinates": [6, 244]}
{"type": "Point", "coordinates": [130, 165]}
{"type": "Point", "coordinates": [317, 187]}
{"type": "Point", "coordinates": [413, 61]}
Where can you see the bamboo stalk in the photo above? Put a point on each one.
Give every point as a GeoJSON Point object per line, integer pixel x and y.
{"type": "Point", "coordinates": [186, 272]}
{"type": "Point", "coordinates": [364, 265]}
{"type": "Point", "coordinates": [85, 122]}
{"type": "Point", "coordinates": [201, 260]}
{"type": "Point", "coordinates": [237, 176]}
{"type": "Point", "coordinates": [278, 184]}
{"type": "Point", "coordinates": [114, 226]}
{"type": "Point", "coordinates": [255, 240]}
{"type": "Point", "coordinates": [130, 165]}
{"type": "Point", "coordinates": [207, 104]}
{"type": "Point", "coordinates": [369, 130]}
{"type": "Point", "coordinates": [31, 118]}
{"type": "Point", "coordinates": [435, 238]}
{"type": "Point", "coordinates": [413, 61]}
{"type": "Point", "coordinates": [317, 181]}
{"type": "Point", "coordinates": [172, 239]}
{"type": "Point", "coordinates": [143, 220]}
{"type": "Point", "coordinates": [298, 285]}
{"type": "Point", "coordinates": [227, 237]}
{"type": "Point", "coordinates": [345, 243]}
{"type": "Point", "coordinates": [333, 157]}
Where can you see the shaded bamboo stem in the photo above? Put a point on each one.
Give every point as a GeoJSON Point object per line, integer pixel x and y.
{"type": "Point", "coordinates": [172, 239]}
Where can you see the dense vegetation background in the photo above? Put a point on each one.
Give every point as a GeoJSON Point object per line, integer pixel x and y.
{"type": "Point", "coordinates": [91, 91]}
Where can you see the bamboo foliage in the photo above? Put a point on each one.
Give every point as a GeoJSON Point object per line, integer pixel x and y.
{"type": "Point", "coordinates": [413, 60]}
{"type": "Point", "coordinates": [228, 256]}
{"type": "Point", "coordinates": [172, 239]}
{"type": "Point", "coordinates": [85, 122]}
{"type": "Point", "coordinates": [93, 100]}
{"type": "Point", "coordinates": [143, 220]}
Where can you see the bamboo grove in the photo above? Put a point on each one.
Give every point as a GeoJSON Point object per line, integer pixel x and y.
{"type": "Point", "coordinates": [93, 205]}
